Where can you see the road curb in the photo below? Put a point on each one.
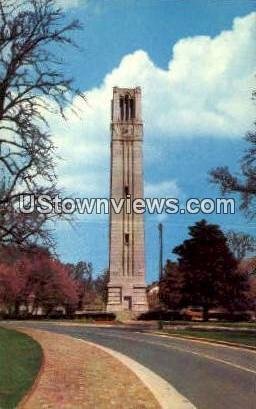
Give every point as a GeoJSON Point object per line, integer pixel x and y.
{"type": "Point", "coordinates": [203, 340]}
{"type": "Point", "coordinates": [166, 395]}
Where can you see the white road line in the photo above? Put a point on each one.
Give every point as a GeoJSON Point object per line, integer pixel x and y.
{"type": "Point", "coordinates": [206, 356]}
{"type": "Point", "coordinates": [180, 349]}
{"type": "Point", "coordinates": [200, 341]}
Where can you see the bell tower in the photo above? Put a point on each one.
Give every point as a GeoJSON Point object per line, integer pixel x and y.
{"type": "Point", "coordinates": [127, 287]}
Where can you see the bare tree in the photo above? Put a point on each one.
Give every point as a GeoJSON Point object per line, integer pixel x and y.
{"type": "Point", "coordinates": [245, 185]}
{"type": "Point", "coordinates": [241, 244]}
{"type": "Point", "coordinates": [31, 83]}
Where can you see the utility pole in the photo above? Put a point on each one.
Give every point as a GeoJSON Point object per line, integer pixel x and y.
{"type": "Point", "coordinates": [160, 228]}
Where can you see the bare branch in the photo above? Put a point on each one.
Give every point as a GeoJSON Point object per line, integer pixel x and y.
{"type": "Point", "coordinates": [31, 83]}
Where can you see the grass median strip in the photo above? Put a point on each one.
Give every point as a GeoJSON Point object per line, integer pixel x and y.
{"type": "Point", "coordinates": [217, 324]}
{"type": "Point", "coordinates": [236, 336]}
{"type": "Point", "coordinates": [20, 361]}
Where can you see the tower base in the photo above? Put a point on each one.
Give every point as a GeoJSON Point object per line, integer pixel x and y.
{"type": "Point", "coordinates": [127, 297]}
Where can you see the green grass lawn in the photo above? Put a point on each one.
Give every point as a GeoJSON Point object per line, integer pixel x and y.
{"type": "Point", "coordinates": [20, 361]}
{"type": "Point", "coordinates": [227, 324]}
{"type": "Point", "coordinates": [236, 336]}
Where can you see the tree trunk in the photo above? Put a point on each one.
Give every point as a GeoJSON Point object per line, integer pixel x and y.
{"type": "Point", "coordinates": [205, 313]}
{"type": "Point", "coordinates": [16, 309]}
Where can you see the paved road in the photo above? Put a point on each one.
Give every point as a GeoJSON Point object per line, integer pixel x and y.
{"type": "Point", "coordinates": [211, 377]}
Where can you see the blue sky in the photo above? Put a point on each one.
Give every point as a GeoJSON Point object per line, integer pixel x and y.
{"type": "Point", "coordinates": [195, 61]}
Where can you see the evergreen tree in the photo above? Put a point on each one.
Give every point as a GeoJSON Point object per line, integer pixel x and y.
{"type": "Point", "coordinates": [209, 270]}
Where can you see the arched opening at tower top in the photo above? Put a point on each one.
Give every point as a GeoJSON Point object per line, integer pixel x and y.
{"type": "Point", "coordinates": [127, 108]}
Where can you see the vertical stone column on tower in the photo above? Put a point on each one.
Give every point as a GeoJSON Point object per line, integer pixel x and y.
{"type": "Point", "coordinates": [126, 288]}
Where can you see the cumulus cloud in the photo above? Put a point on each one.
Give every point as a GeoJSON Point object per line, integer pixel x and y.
{"type": "Point", "coordinates": [205, 91]}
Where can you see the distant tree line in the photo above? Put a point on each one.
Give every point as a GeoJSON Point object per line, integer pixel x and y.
{"type": "Point", "coordinates": [92, 291]}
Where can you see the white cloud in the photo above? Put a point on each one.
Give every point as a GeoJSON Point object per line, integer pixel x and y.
{"type": "Point", "coordinates": [67, 4]}
{"type": "Point", "coordinates": [206, 90]}
{"type": "Point", "coordinates": [164, 189]}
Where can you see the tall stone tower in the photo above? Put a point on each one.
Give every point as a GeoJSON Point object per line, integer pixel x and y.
{"type": "Point", "coordinates": [126, 288]}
